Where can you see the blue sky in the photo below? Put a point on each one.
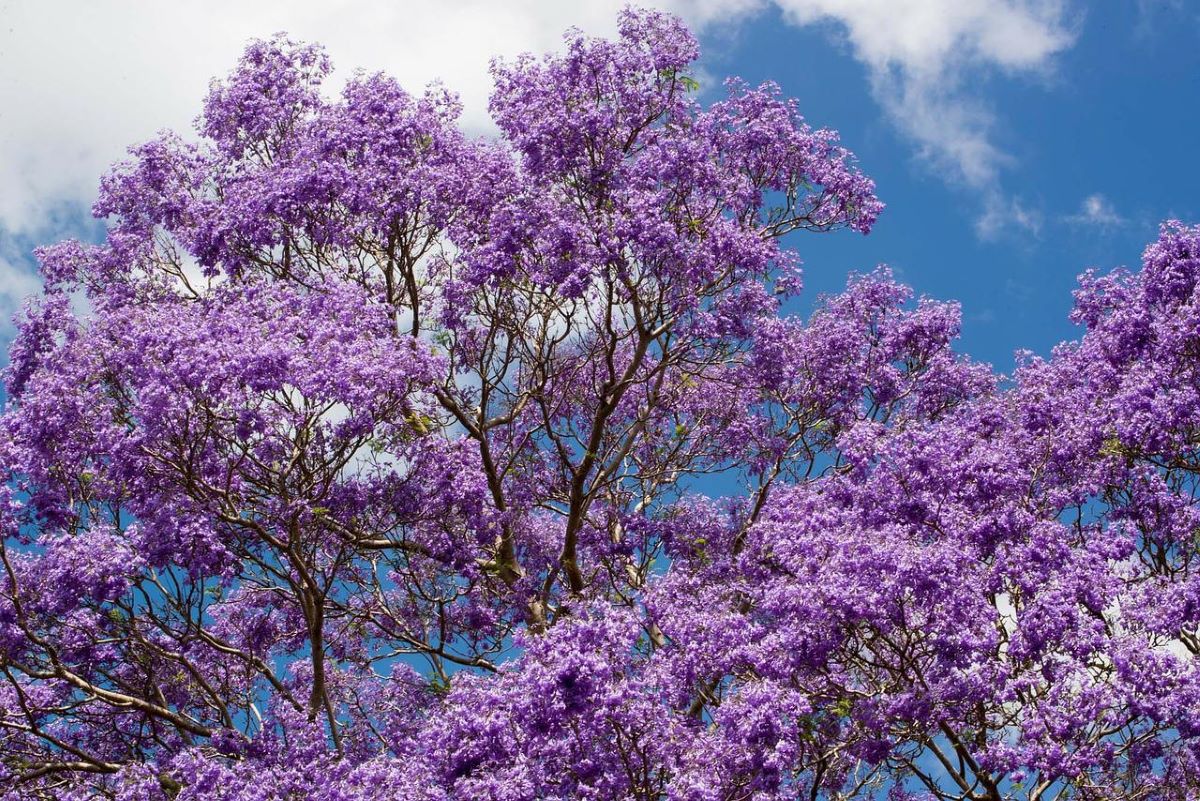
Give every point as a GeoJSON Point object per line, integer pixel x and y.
{"type": "Point", "coordinates": [1016, 142]}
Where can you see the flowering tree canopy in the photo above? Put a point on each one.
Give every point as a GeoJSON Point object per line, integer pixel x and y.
{"type": "Point", "coordinates": [363, 461]}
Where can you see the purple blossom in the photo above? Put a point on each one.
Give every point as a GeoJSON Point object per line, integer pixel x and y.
{"type": "Point", "coordinates": [376, 469]}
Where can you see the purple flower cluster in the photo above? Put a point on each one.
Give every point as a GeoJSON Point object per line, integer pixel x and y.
{"type": "Point", "coordinates": [364, 460]}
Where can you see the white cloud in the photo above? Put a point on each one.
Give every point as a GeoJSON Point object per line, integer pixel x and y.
{"type": "Point", "coordinates": [1096, 210]}
{"type": "Point", "coordinates": [1153, 14]}
{"type": "Point", "coordinates": [922, 56]}
{"type": "Point", "coordinates": [17, 282]}
{"type": "Point", "coordinates": [79, 82]}
{"type": "Point", "coordinates": [1007, 215]}
{"type": "Point", "coordinates": [18, 273]}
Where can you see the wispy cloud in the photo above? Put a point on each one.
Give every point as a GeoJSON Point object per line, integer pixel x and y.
{"type": "Point", "coordinates": [18, 280]}
{"type": "Point", "coordinates": [923, 54]}
{"type": "Point", "coordinates": [1153, 14]}
{"type": "Point", "coordinates": [1005, 215]}
{"type": "Point", "coordinates": [1097, 211]}
{"type": "Point", "coordinates": [925, 59]}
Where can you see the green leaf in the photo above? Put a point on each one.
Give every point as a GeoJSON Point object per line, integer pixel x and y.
{"type": "Point", "coordinates": [421, 423]}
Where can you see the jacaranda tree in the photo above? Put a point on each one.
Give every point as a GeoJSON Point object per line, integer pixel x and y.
{"type": "Point", "coordinates": [363, 460]}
